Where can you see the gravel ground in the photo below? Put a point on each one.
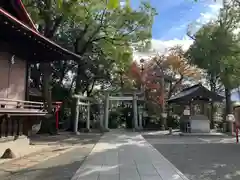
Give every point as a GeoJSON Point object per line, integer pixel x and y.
{"type": "Point", "coordinates": [201, 158]}
{"type": "Point", "coordinates": [59, 168]}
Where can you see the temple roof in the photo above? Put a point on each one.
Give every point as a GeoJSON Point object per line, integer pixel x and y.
{"type": "Point", "coordinates": [196, 92]}
{"type": "Point", "coordinates": [18, 28]}
{"type": "Point", "coordinates": [17, 9]}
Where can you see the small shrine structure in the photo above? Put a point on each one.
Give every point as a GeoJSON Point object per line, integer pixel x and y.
{"type": "Point", "coordinates": [195, 100]}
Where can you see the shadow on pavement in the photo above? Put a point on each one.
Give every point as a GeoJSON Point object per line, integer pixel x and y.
{"type": "Point", "coordinates": [57, 172]}
{"type": "Point", "coordinates": [64, 137]}
{"type": "Point", "coordinates": [68, 165]}
{"type": "Point", "coordinates": [201, 158]}
{"type": "Point", "coordinates": [62, 167]}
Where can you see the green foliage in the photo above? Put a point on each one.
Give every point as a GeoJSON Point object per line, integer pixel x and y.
{"type": "Point", "coordinates": [105, 31]}
{"type": "Point", "coordinates": [114, 119]}
{"type": "Point", "coordinates": [173, 122]}
{"type": "Point", "coordinates": [101, 32]}
{"type": "Point", "coordinates": [216, 49]}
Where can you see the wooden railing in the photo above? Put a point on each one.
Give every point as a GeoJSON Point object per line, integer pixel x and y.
{"type": "Point", "coordinates": [18, 107]}
{"type": "Point", "coordinates": [17, 116]}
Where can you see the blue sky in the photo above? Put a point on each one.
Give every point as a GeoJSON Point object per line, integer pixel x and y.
{"type": "Point", "coordinates": [171, 24]}
{"type": "Point", "coordinates": [174, 16]}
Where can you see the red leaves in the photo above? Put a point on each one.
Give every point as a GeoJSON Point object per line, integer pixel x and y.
{"type": "Point", "coordinates": [148, 78]}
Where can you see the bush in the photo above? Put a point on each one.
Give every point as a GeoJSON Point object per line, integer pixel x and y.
{"type": "Point", "coordinates": [173, 122]}
{"type": "Point", "coordinates": [114, 119]}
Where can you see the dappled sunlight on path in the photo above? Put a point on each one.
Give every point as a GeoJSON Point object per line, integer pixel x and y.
{"type": "Point", "coordinates": [121, 155]}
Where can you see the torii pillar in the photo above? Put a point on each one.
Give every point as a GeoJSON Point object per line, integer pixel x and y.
{"type": "Point", "coordinates": [135, 111]}
{"type": "Point", "coordinates": [106, 112]}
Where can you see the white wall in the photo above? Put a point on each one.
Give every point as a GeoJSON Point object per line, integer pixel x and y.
{"type": "Point", "coordinates": [198, 126]}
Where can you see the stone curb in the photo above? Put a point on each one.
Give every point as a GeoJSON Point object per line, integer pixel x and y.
{"type": "Point", "coordinates": [177, 170]}
{"type": "Point", "coordinates": [203, 135]}
{"type": "Point", "coordinates": [84, 159]}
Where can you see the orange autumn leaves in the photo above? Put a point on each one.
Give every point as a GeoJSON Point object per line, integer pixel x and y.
{"type": "Point", "coordinates": [145, 76]}
{"type": "Point", "coordinates": [151, 72]}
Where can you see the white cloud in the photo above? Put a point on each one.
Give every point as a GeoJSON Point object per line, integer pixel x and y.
{"type": "Point", "coordinates": [211, 14]}
{"type": "Point", "coordinates": [161, 46]}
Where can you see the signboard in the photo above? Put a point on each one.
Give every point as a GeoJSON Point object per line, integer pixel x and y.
{"type": "Point", "coordinates": [123, 98]}
{"type": "Point", "coordinates": [230, 118]}
{"type": "Point", "coordinates": [84, 104]}
{"type": "Point", "coordinates": [186, 112]}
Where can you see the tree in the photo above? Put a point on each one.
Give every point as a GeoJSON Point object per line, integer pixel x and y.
{"type": "Point", "coordinates": [171, 68]}
{"type": "Point", "coordinates": [100, 29]}
{"type": "Point", "coordinates": [216, 49]}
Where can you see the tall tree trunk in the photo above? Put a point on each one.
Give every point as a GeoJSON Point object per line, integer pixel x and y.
{"type": "Point", "coordinates": [168, 97]}
{"type": "Point", "coordinates": [228, 108]}
{"type": "Point", "coordinates": [213, 89]}
{"type": "Point", "coordinates": [212, 112]}
{"type": "Point", "coordinates": [47, 91]}
{"type": "Point", "coordinates": [171, 90]}
{"type": "Point", "coordinates": [74, 102]}
{"type": "Point", "coordinates": [163, 110]}
{"type": "Point", "coordinates": [47, 125]}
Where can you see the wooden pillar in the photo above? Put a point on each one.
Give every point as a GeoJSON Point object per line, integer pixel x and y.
{"type": "Point", "coordinates": [202, 107]}
{"type": "Point", "coordinates": [191, 108]}
{"type": "Point", "coordinates": [20, 127]}
{"type": "Point", "coordinates": [2, 126]}
{"type": "Point", "coordinates": [28, 75]}
{"type": "Point", "coordinates": [9, 127]}
{"type": "Point", "coordinates": [15, 125]}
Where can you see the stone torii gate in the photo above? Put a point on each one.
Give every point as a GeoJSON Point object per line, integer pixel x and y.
{"type": "Point", "coordinates": [79, 103]}
{"type": "Point", "coordinates": [137, 122]}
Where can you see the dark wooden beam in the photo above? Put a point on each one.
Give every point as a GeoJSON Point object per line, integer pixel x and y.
{"type": "Point", "coordinates": [33, 45]}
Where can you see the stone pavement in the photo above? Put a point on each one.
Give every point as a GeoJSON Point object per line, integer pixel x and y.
{"type": "Point", "coordinates": [44, 148]}
{"type": "Point", "coordinates": [20, 148]}
{"type": "Point", "coordinates": [121, 155]}
{"type": "Point", "coordinates": [201, 158]}
{"type": "Point", "coordinates": [34, 158]}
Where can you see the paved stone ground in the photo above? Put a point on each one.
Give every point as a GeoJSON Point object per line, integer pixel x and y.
{"type": "Point", "coordinates": [201, 158]}
{"type": "Point", "coordinates": [62, 167]}
{"type": "Point", "coordinates": [121, 155]}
